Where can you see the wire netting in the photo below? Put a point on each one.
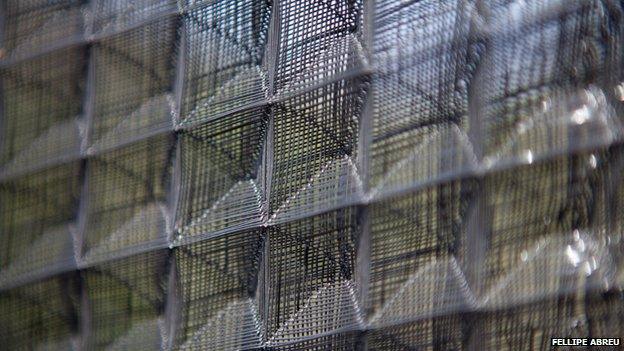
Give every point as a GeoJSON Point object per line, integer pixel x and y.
{"type": "Point", "coordinates": [218, 283]}
{"type": "Point", "coordinates": [310, 174]}
{"type": "Point", "coordinates": [224, 52]}
{"type": "Point", "coordinates": [126, 194]}
{"type": "Point", "coordinates": [125, 301]}
{"type": "Point", "coordinates": [133, 80]}
{"type": "Point", "coordinates": [33, 26]}
{"type": "Point", "coordinates": [38, 221]}
{"type": "Point", "coordinates": [42, 102]}
{"type": "Point", "coordinates": [221, 184]}
{"type": "Point", "coordinates": [42, 316]}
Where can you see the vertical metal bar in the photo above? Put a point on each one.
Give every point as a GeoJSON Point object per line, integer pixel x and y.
{"type": "Point", "coordinates": [85, 314]}
{"type": "Point", "coordinates": [365, 137]}
{"type": "Point", "coordinates": [270, 58]}
{"type": "Point", "coordinates": [88, 105]}
{"type": "Point", "coordinates": [265, 301]}
{"type": "Point", "coordinates": [272, 51]}
{"type": "Point", "coordinates": [178, 84]}
{"type": "Point", "coordinates": [363, 252]}
{"type": "Point", "coordinates": [178, 91]}
{"type": "Point", "coordinates": [172, 303]}
{"type": "Point", "coordinates": [173, 196]}
{"type": "Point", "coordinates": [79, 240]}
{"type": "Point", "coordinates": [475, 108]}
{"type": "Point", "coordinates": [86, 124]}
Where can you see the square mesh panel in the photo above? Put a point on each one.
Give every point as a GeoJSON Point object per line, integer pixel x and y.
{"type": "Point", "coordinates": [126, 302]}
{"type": "Point", "coordinates": [546, 229]}
{"type": "Point", "coordinates": [417, 254]}
{"type": "Point", "coordinates": [349, 341]}
{"type": "Point", "coordinates": [126, 198]}
{"type": "Point", "coordinates": [315, 143]}
{"type": "Point", "coordinates": [224, 48]}
{"type": "Point", "coordinates": [37, 222]}
{"type": "Point", "coordinates": [133, 79]}
{"type": "Point", "coordinates": [32, 26]}
{"type": "Point", "coordinates": [310, 174]}
{"type": "Point", "coordinates": [222, 183]}
{"type": "Point", "coordinates": [451, 332]}
{"type": "Point", "coordinates": [538, 54]}
{"type": "Point", "coordinates": [319, 41]}
{"type": "Point", "coordinates": [41, 316]}
{"type": "Point", "coordinates": [311, 265]}
{"type": "Point", "coordinates": [42, 104]}
{"type": "Point", "coordinates": [424, 66]}
{"type": "Point", "coordinates": [219, 282]}
{"type": "Point", "coordinates": [110, 16]}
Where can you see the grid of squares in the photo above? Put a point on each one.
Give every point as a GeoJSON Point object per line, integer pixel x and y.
{"type": "Point", "coordinates": [290, 174]}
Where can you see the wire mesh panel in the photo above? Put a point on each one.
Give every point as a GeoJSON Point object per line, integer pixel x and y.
{"type": "Point", "coordinates": [417, 254]}
{"type": "Point", "coordinates": [126, 199]}
{"type": "Point", "coordinates": [312, 288]}
{"type": "Point", "coordinates": [315, 144]}
{"type": "Point", "coordinates": [110, 16]}
{"type": "Point", "coordinates": [133, 82]}
{"type": "Point", "coordinates": [222, 184]}
{"type": "Point", "coordinates": [33, 26]}
{"type": "Point", "coordinates": [224, 49]}
{"type": "Point", "coordinates": [37, 223]}
{"type": "Point", "coordinates": [546, 232]}
{"type": "Point", "coordinates": [424, 65]}
{"type": "Point", "coordinates": [452, 332]}
{"type": "Point", "coordinates": [42, 105]}
{"type": "Point", "coordinates": [219, 282]}
{"type": "Point", "coordinates": [41, 316]}
{"type": "Point", "coordinates": [319, 41]}
{"type": "Point", "coordinates": [126, 302]}
{"type": "Point", "coordinates": [310, 174]}
{"type": "Point", "coordinates": [347, 341]}
{"type": "Point", "coordinates": [538, 55]}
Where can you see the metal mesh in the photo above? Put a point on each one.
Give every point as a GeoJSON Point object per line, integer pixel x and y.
{"type": "Point", "coordinates": [33, 26]}
{"type": "Point", "coordinates": [42, 102]}
{"type": "Point", "coordinates": [310, 174]}
{"type": "Point", "coordinates": [41, 316]}
{"type": "Point", "coordinates": [218, 281]}
{"type": "Point", "coordinates": [318, 42]}
{"type": "Point", "coordinates": [311, 265]}
{"type": "Point", "coordinates": [133, 78]}
{"type": "Point", "coordinates": [38, 222]}
{"type": "Point", "coordinates": [534, 65]}
{"type": "Point", "coordinates": [224, 49]}
{"type": "Point", "coordinates": [315, 145]}
{"type": "Point", "coordinates": [418, 252]}
{"type": "Point", "coordinates": [110, 16]}
{"type": "Point", "coordinates": [126, 192]}
{"type": "Point", "coordinates": [221, 185]}
{"type": "Point", "coordinates": [125, 302]}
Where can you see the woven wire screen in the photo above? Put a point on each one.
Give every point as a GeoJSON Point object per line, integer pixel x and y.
{"type": "Point", "coordinates": [309, 174]}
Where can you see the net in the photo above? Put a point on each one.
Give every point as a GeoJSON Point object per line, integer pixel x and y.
{"type": "Point", "coordinates": [310, 174]}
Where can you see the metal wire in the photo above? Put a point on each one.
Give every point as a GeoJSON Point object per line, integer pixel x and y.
{"type": "Point", "coordinates": [310, 175]}
{"type": "Point", "coordinates": [133, 83]}
{"type": "Point", "coordinates": [126, 192]}
{"type": "Point", "coordinates": [38, 218]}
{"type": "Point", "coordinates": [125, 300]}
{"type": "Point", "coordinates": [42, 103]}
